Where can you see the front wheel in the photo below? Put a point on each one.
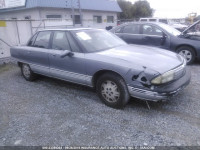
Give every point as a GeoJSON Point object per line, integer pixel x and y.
{"type": "Point", "coordinates": [188, 53]}
{"type": "Point", "coordinates": [27, 72]}
{"type": "Point", "coordinates": [112, 90]}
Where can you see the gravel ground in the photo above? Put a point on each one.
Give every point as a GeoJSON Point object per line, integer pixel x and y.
{"type": "Point", "coordinates": [49, 112]}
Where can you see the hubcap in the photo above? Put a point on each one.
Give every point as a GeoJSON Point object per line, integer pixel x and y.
{"type": "Point", "coordinates": [110, 91]}
{"type": "Point", "coordinates": [26, 71]}
{"type": "Point", "coordinates": [186, 54]}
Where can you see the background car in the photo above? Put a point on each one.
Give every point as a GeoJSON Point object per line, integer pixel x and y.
{"type": "Point", "coordinates": [178, 26]}
{"type": "Point", "coordinates": [163, 36]}
{"type": "Point", "coordinates": [162, 20]}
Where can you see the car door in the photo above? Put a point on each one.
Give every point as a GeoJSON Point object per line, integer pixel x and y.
{"type": "Point", "coordinates": [37, 52]}
{"type": "Point", "coordinates": [72, 66]}
{"type": "Point", "coordinates": [131, 34]}
{"type": "Point", "coordinates": [153, 36]}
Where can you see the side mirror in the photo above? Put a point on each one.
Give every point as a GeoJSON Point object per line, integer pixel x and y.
{"type": "Point", "coordinates": [164, 36]}
{"type": "Point", "coordinates": [66, 53]}
{"type": "Point", "coordinates": [163, 39]}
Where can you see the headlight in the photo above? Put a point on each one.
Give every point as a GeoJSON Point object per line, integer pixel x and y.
{"type": "Point", "coordinates": [164, 78]}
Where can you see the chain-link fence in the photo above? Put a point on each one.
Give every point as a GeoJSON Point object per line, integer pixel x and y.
{"type": "Point", "coordinates": [17, 32]}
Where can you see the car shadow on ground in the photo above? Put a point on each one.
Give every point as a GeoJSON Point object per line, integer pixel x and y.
{"type": "Point", "coordinates": [149, 105]}
{"type": "Point", "coordinates": [134, 102]}
{"type": "Point", "coordinates": [87, 91]}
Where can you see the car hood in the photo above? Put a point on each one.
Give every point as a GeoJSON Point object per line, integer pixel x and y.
{"type": "Point", "coordinates": [176, 25]}
{"type": "Point", "coordinates": [190, 27]}
{"type": "Point", "coordinates": [157, 59]}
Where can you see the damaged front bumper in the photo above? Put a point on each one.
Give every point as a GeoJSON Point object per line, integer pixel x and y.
{"type": "Point", "coordinates": [162, 92]}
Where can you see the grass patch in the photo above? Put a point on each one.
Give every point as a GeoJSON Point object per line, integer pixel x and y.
{"type": "Point", "coordinates": [5, 67]}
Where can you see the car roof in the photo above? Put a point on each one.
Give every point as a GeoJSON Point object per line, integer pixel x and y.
{"type": "Point", "coordinates": [140, 23]}
{"type": "Point", "coordinates": [156, 23]}
{"type": "Point", "coordinates": [154, 18]}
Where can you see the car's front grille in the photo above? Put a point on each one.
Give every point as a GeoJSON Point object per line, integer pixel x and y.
{"type": "Point", "coordinates": [179, 72]}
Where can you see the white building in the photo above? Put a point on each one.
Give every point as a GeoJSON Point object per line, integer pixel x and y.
{"type": "Point", "coordinates": [95, 13]}
{"type": "Point", "coordinates": [20, 19]}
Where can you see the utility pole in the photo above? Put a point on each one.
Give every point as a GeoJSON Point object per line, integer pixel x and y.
{"type": "Point", "coordinates": [80, 12]}
{"type": "Point", "coordinates": [73, 10]}
{"type": "Point", "coordinates": [73, 17]}
{"type": "Point", "coordinates": [70, 4]}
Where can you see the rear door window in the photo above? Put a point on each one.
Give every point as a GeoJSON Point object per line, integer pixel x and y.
{"type": "Point", "coordinates": [132, 29]}
{"type": "Point", "coordinates": [42, 39]}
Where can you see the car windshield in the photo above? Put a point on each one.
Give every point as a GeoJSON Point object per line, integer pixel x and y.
{"type": "Point", "coordinates": [97, 40]}
{"type": "Point", "coordinates": [170, 29]}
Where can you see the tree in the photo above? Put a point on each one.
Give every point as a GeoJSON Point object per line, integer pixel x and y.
{"type": "Point", "coordinates": [137, 10]}
{"type": "Point", "coordinates": [142, 9]}
{"type": "Point", "coordinates": [126, 7]}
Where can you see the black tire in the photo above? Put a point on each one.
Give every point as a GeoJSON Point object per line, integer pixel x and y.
{"type": "Point", "coordinates": [189, 50]}
{"type": "Point", "coordinates": [117, 102]}
{"type": "Point", "coordinates": [27, 73]}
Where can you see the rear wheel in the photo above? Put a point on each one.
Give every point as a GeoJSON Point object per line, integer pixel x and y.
{"type": "Point", "coordinates": [188, 53]}
{"type": "Point", "coordinates": [112, 90]}
{"type": "Point", "coordinates": [27, 72]}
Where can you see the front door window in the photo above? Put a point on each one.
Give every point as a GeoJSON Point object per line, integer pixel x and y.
{"type": "Point", "coordinates": [151, 30]}
{"type": "Point", "coordinates": [60, 41]}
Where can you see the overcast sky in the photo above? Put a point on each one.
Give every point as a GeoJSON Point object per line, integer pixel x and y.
{"type": "Point", "coordinates": [174, 8]}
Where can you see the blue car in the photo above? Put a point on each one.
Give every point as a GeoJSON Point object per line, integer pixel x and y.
{"type": "Point", "coordinates": [186, 43]}
{"type": "Point", "coordinates": [99, 59]}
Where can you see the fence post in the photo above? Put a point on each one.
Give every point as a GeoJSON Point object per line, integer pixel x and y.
{"type": "Point", "coordinates": [44, 24]}
{"type": "Point", "coordinates": [31, 27]}
{"type": "Point", "coordinates": [17, 32]}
